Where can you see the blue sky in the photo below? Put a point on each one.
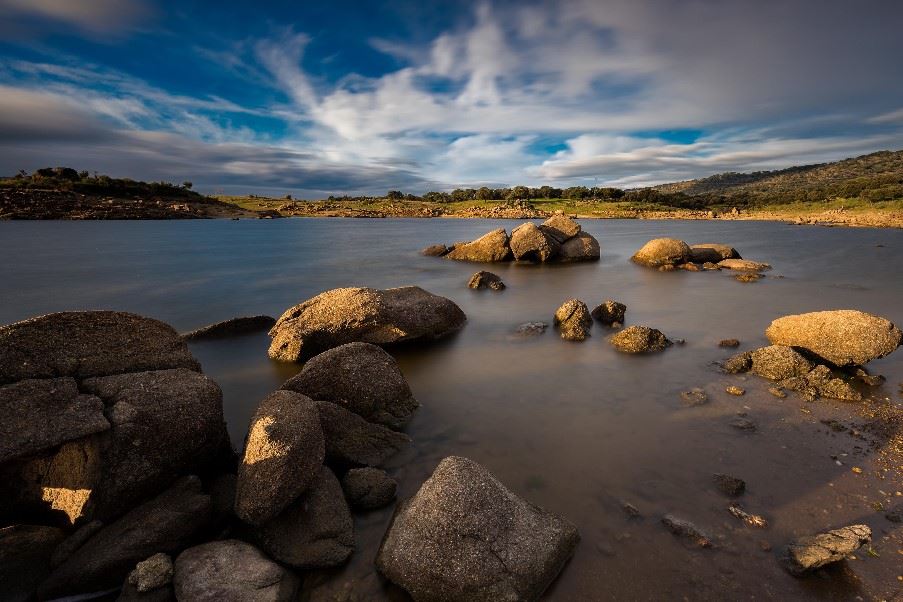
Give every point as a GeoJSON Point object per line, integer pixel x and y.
{"type": "Point", "coordinates": [351, 97]}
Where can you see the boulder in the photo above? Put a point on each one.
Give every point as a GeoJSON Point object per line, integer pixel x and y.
{"type": "Point", "coordinates": [39, 414]}
{"type": "Point", "coordinates": [529, 243]}
{"type": "Point", "coordinates": [744, 265]}
{"type": "Point", "coordinates": [777, 362]}
{"type": "Point", "coordinates": [561, 227]}
{"type": "Point", "coordinates": [346, 315]}
{"type": "Point", "coordinates": [82, 344]}
{"type": "Point", "coordinates": [484, 279]}
{"type": "Point", "coordinates": [231, 570]}
{"type": "Point", "coordinates": [351, 439]}
{"type": "Point", "coordinates": [844, 337]}
{"type": "Point", "coordinates": [368, 488]}
{"type": "Point", "coordinates": [167, 523]}
{"type": "Point", "coordinates": [712, 253]}
{"type": "Point", "coordinates": [153, 573]}
{"type": "Point", "coordinates": [582, 247]}
{"type": "Point", "coordinates": [25, 552]}
{"type": "Point", "coordinates": [316, 531]}
{"type": "Point", "coordinates": [640, 339]}
{"type": "Point", "coordinates": [820, 382]}
{"type": "Point", "coordinates": [610, 312]}
{"type": "Point", "coordinates": [362, 378]}
{"type": "Point", "coordinates": [662, 252]}
{"type": "Point", "coordinates": [573, 320]}
{"type": "Point", "coordinates": [492, 246]}
{"type": "Point", "coordinates": [729, 485]}
{"type": "Point", "coordinates": [284, 451]}
{"type": "Point", "coordinates": [435, 251]}
{"type": "Point", "coordinates": [815, 551]}
{"type": "Point", "coordinates": [231, 328]}
{"type": "Point", "coordinates": [740, 362]}
{"type": "Point", "coordinates": [465, 537]}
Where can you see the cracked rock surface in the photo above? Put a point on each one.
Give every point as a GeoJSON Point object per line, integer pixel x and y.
{"type": "Point", "coordinates": [815, 551]}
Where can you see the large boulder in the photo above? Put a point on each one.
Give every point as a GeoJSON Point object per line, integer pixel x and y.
{"type": "Point", "coordinates": [560, 227]}
{"type": "Point", "coordinates": [582, 247]}
{"type": "Point", "coordinates": [345, 315]}
{"type": "Point", "coordinates": [284, 451]}
{"type": "Point", "coordinates": [640, 339]}
{"type": "Point", "coordinates": [712, 252]}
{"type": "Point", "coordinates": [492, 246]}
{"type": "Point", "coordinates": [530, 243]}
{"type": "Point", "coordinates": [316, 531]}
{"type": "Point", "coordinates": [352, 440]}
{"type": "Point", "coordinates": [42, 413]}
{"type": "Point", "coordinates": [167, 523]}
{"type": "Point", "coordinates": [815, 551]}
{"type": "Point", "coordinates": [662, 252]}
{"type": "Point", "coordinates": [844, 337]}
{"type": "Point", "coordinates": [465, 537]}
{"type": "Point", "coordinates": [573, 320]}
{"type": "Point", "coordinates": [362, 378]}
{"type": "Point", "coordinates": [231, 328]}
{"type": "Point", "coordinates": [25, 552]}
{"type": "Point", "coordinates": [778, 362]}
{"type": "Point", "coordinates": [89, 343]}
{"type": "Point", "coordinates": [231, 570]}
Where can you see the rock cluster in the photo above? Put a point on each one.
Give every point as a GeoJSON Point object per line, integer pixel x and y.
{"type": "Point", "coordinates": [668, 254]}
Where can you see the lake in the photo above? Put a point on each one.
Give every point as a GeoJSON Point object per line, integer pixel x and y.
{"type": "Point", "coordinates": [576, 428]}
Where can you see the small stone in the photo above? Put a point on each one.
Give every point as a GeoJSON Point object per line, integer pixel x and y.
{"type": "Point", "coordinates": [748, 277]}
{"type": "Point", "coordinates": [744, 424]}
{"type": "Point", "coordinates": [753, 520]}
{"type": "Point", "coordinates": [630, 510]}
{"type": "Point", "coordinates": [610, 312]}
{"type": "Point", "coordinates": [686, 529]}
{"type": "Point", "coordinates": [777, 392]}
{"type": "Point", "coordinates": [729, 343]}
{"type": "Point", "coordinates": [735, 390]}
{"type": "Point", "coordinates": [531, 329]}
{"type": "Point", "coordinates": [153, 573]}
{"type": "Point", "coordinates": [729, 485]}
{"type": "Point", "coordinates": [484, 279]}
{"type": "Point", "coordinates": [694, 397]}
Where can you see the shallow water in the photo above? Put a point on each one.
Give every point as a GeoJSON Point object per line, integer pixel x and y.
{"type": "Point", "coordinates": [576, 428]}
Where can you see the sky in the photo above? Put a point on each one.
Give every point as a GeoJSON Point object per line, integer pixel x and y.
{"type": "Point", "coordinates": [320, 98]}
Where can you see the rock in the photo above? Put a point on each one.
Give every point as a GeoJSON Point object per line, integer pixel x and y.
{"type": "Point", "coordinates": [368, 488]}
{"type": "Point", "coordinates": [42, 413]}
{"type": "Point", "coordinates": [744, 265]}
{"type": "Point", "coordinates": [753, 520]}
{"type": "Point", "coordinates": [610, 312]}
{"type": "Point", "coordinates": [843, 337]}
{"type": "Point", "coordinates": [25, 552]}
{"type": "Point", "coordinates": [492, 246]}
{"type": "Point", "coordinates": [351, 439]}
{"type": "Point", "coordinates": [736, 364]}
{"type": "Point", "coordinates": [630, 510]}
{"type": "Point", "coordinates": [734, 390]}
{"type": "Point", "coordinates": [582, 247]}
{"type": "Point", "coordinates": [435, 251]}
{"type": "Point", "coordinates": [72, 543]}
{"type": "Point", "coordinates": [895, 516]}
{"type": "Point", "coordinates": [694, 397]}
{"type": "Point", "coordinates": [815, 551]}
{"type": "Point", "coordinates": [712, 253]}
{"type": "Point", "coordinates": [743, 424]}
{"type": "Point", "coordinates": [709, 266]}
{"type": "Point", "coordinates": [316, 531]}
{"type": "Point", "coordinates": [484, 279]}
{"type": "Point", "coordinates": [231, 570]}
{"type": "Point", "coordinates": [728, 485]}
{"type": "Point", "coordinates": [777, 362]}
{"type": "Point", "coordinates": [691, 267]}
{"type": "Point", "coordinates": [153, 573]}
{"type": "Point", "coordinates": [346, 315]}
{"type": "Point", "coordinates": [464, 537]}
{"type": "Point", "coordinates": [166, 523]}
{"type": "Point", "coordinates": [530, 329]}
{"type": "Point", "coordinates": [529, 243]}
{"type": "Point", "coordinates": [777, 392]}
{"type": "Point", "coordinates": [748, 277]}
{"type": "Point", "coordinates": [836, 388]}
{"type": "Point", "coordinates": [729, 343]}
{"type": "Point", "coordinates": [686, 529]}
{"type": "Point", "coordinates": [573, 320]}
{"type": "Point", "coordinates": [130, 593]}
{"type": "Point", "coordinates": [661, 252]}
{"type": "Point", "coordinates": [561, 227]}
{"type": "Point", "coordinates": [82, 344]}
{"type": "Point", "coordinates": [640, 339]}
{"type": "Point", "coordinates": [284, 451]}
{"type": "Point", "coordinates": [231, 328]}
{"type": "Point", "coordinates": [361, 378]}
{"type": "Point", "coordinates": [872, 380]}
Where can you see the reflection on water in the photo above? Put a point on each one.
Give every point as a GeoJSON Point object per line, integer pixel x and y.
{"type": "Point", "coordinates": [574, 427]}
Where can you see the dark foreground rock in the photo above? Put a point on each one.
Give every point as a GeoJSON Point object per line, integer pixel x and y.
{"type": "Point", "coordinates": [465, 537]}
{"type": "Point", "coordinates": [573, 320]}
{"type": "Point", "coordinates": [815, 551]}
{"type": "Point", "coordinates": [610, 312]}
{"type": "Point", "coordinates": [362, 378]}
{"type": "Point", "coordinates": [368, 488]}
{"type": "Point", "coordinates": [231, 328]}
{"type": "Point", "coordinates": [153, 573]}
{"type": "Point", "coordinates": [687, 530]}
{"type": "Point", "coordinates": [729, 485]}
{"type": "Point", "coordinates": [640, 339]}
{"type": "Point", "coordinates": [662, 252]}
{"type": "Point", "coordinates": [284, 451]}
{"type": "Point", "coordinates": [352, 440]}
{"type": "Point", "coordinates": [231, 570]}
{"type": "Point", "coordinates": [346, 315]}
{"type": "Point", "coordinates": [844, 337]}
{"type": "Point", "coordinates": [492, 246]}
{"type": "Point", "coordinates": [484, 279]}
{"type": "Point", "coordinates": [25, 552]}
{"type": "Point", "coordinates": [167, 523]}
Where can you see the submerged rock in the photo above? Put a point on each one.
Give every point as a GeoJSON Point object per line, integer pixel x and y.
{"type": "Point", "coordinates": [728, 343]}
{"type": "Point", "coordinates": [346, 315]}
{"type": "Point", "coordinates": [231, 328]}
{"type": "Point", "coordinates": [484, 279]}
{"type": "Point", "coordinates": [728, 485]}
{"type": "Point", "coordinates": [815, 551]}
{"type": "Point", "coordinates": [712, 253]}
{"type": "Point", "coordinates": [531, 329]}
{"type": "Point", "coordinates": [351, 439]}
{"type": "Point", "coordinates": [753, 520]}
{"type": "Point", "coordinates": [744, 265]}
{"type": "Point", "coordinates": [529, 243]}
{"type": "Point", "coordinates": [368, 488]}
{"type": "Point", "coordinates": [362, 378]}
{"type": "Point", "coordinates": [610, 312]}
{"type": "Point", "coordinates": [777, 362]}
{"type": "Point", "coordinates": [662, 252]}
{"type": "Point", "coordinates": [465, 537]}
{"type": "Point", "coordinates": [686, 529]}
{"type": "Point", "coordinates": [843, 337]}
{"type": "Point", "coordinates": [582, 247]}
{"type": "Point", "coordinates": [640, 339]}
{"type": "Point", "coordinates": [435, 251]}
{"type": "Point", "coordinates": [694, 397]}
{"type": "Point", "coordinates": [492, 246]}
{"type": "Point", "coordinates": [573, 320]}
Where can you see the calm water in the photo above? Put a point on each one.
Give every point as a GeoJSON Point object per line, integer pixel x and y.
{"type": "Point", "coordinates": [573, 427]}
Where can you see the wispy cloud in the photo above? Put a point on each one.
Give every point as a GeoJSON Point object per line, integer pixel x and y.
{"type": "Point", "coordinates": [89, 15]}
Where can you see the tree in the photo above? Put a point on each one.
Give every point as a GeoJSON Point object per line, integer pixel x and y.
{"type": "Point", "coordinates": [395, 195]}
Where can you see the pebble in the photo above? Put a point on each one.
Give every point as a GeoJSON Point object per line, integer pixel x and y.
{"type": "Point", "coordinates": [735, 390]}
{"type": "Point", "coordinates": [694, 397]}
{"type": "Point", "coordinates": [729, 343]}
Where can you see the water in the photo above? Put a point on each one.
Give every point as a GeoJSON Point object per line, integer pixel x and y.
{"type": "Point", "coordinates": [574, 427]}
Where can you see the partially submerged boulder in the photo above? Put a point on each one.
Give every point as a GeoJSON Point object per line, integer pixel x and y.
{"type": "Point", "coordinates": [662, 252]}
{"type": "Point", "coordinates": [712, 252]}
{"type": "Point", "coordinates": [815, 551]}
{"type": "Point", "coordinates": [610, 312]}
{"type": "Point", "coordinates": [561, 227]}
{"type": "Point", "coordinates": [484, 279]}
{"type": "Point", "coordinates": [744, 265]}
{"type": "Point", "coordinates": [573, 320]}
{"type": "Point", "coordinates": [844, 337]}
{"type": "Point", "coordinates": [777, 362]}
{"type": "Point", "coordinates": [492, 246]}
{"type": "Point", "coordinates": [346, 315]}
{"type": "Point", "coordinates": [352, 440]}
{"type": "Point", "coordinates": [530, 243]}
{"type": "Point", "coordinates": [368, 488]}
{"type": "Point", "coordinates": [231, 570]}
{"type": "Point", "coordinates": [283, 454]}
{"type": "Point", "coordinates": [640, 339]}
{"type": "Point", "coordinates": [435, 251]}
{"type": "Point", "coordinates": [582, 247]}
{"type": "Point", "coordinates": [465, 537]}
{"type": "Point", "coordinates": [362, 378]}
{"type": "Point", "coordinates": [231, 328]}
